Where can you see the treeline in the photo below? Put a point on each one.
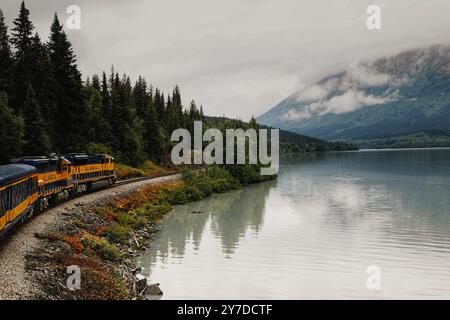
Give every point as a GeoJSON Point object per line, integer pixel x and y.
{"type": "Point", "coordinates": [45, 106]}
{"type": "Point", "coordinates": [290, 142]}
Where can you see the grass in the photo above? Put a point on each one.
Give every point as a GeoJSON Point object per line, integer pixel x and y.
{"type": "Point", "coordinates": [118, 233]}
{"type": "Point", "coordinates": [147, 169]}
{"type": "Point", "coordinates": [127, 172]}
{"type": "Point", "coordinates": [102, 247]}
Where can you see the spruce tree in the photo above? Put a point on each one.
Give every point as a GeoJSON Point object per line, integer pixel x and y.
{"type": "Point", "coordinates": [36, 140]}
{"type": "Point", "coordinates": [127, 142]}
{"type": "Point", "coordinates": [97, 128]}
{"type": "Point", "coordinates": [140, 97]}
{"type": "Point", "coordinates": [158, 103]}
{"type": "Point", "coordinates": [22, 35]}
{"type": "Point", "coordinates": [105, 97]}
{"type": "Point", "coordinates": [96, 82]}
{"type": "Point", "coordinates": [176, 100]}
{"type": "Point", "coordinates": [154, 137]}
{"type": "Point", "coordinates": [115, 116]}
{"type": "Point", "coordinates": [11, 132]}
{"type": "Point", "coordinates": [6, 62]}
{"type": "Point", "coordinates": [43, 83]}
{"type": "Point", "coordinates": [70, 116]}
{"type": "Point", "coordinates": [202, 114]}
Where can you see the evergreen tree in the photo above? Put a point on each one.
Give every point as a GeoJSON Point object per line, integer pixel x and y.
{"type": "Point", "coordinates": [154, 137]}
{"type": "Point", "coordinates": [105, 97]}
{"type": "Point", "coordinates": [36, 140]}
{"type": "Point", "coordinates": [96, 82]}
{"type": "Point", "coordinates": [22, 35]}
{"type": "Point", "coordinates": [43, 83]}
{"type": "Point", "coordinates": [127, 142]}
{"type": "Point", "coordinates": [176, 98]}
{"type": "Point", "coordinates": [11, 132]}
{"type": "Point", "coordinates": [70, 116]}
{"type": "Point", "coordinates": [194, 113]}
{"type": "Point", "coordinates": [202, 114]}
{"type": "Point", "coordinates": [97, 128]}
{"type": "Point", "coordinates": [173, 115]}
{"type": "Point", "coordinates": [158, 103]}
{"type": "Point", "coordinates": [6, 62]}
{"type": "Point", "coordinates": [116, 122]}
{"type": "Point", "coordinates": [140, 97]}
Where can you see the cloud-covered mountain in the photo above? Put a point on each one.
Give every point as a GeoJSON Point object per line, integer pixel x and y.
{"type": "Point", "coordinates": [375, 104]}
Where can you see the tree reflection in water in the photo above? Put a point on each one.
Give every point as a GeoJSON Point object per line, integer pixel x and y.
{"type": "Point", "coordinates": [229, 217]}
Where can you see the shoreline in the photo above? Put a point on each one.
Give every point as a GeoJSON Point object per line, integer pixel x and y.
{"type": "Point", "coordinates": [19, 278]}
{"type": "Point", "coordinates": [101, 233]}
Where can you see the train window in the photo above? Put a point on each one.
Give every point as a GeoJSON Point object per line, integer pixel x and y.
{"type": "Point", "coordinates": [2, 203]}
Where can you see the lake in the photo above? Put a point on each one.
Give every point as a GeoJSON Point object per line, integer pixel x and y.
{"type": "Point", "coordinates": [314, 232]}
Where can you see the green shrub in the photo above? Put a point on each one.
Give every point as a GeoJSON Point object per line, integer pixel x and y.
{"type": "Point", "coordinates": [156, 208]}
{"type": "Point", "coordinates": [132, 219]}
{"type": "Point", "coordinates": [118, 233]}
{"type": "Point", "coordinates": [105, 249]}
{"type": "Point", "coordinates": [184, 194]}
{"type": "Point", "coordinates": [189, 176]}
{"type": "Point", "coordinates": [205, 186]}
{"type": "Point", "coordinates": [148, 166]}
{"type": "Point", "coordinates": [247, 173]}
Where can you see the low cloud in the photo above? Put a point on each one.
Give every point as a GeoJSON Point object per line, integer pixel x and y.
{"type": "Point", "coordinates": [342, 93]}
{"type": "Point", "coordinates": [349, 101]}
{"type": "Point", "coordinates": [315, 92]}
{"type": "Point", "coordinates": [357, 76]}
{"type": "Point", "coordinates": [366, 76]}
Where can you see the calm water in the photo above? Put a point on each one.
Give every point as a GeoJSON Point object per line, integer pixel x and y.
{"type": "Point", "coordinates": [314, 232]}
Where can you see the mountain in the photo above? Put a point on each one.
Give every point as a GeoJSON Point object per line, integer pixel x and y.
{"type": "Point", "coordinates": [398, 101]}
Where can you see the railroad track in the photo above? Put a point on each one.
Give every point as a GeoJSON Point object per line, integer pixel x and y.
{"type": "Point", "coordinates": [120, 183]}
{"type": "Point", "coordinates": [117, 184]}
{"type": "Point", "coordinates": [133, 180]}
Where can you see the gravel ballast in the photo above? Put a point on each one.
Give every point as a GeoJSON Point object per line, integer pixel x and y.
{"type": "Point", "coordinates": [15, 281]}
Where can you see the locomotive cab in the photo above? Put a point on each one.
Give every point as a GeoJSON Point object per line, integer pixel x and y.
{"type": "Point", "coordinates": [64, 165]}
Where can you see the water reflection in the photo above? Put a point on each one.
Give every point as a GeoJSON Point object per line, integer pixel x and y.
{"type": "Point", "coordinates": [314, 232]}
{"type": "Point", "coordinates": [229, 218]}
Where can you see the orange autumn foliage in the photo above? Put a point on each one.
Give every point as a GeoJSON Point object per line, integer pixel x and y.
{"type": "Point", "coordinates": [145, 194]}
{"type": "Point", "coordinates": [101, 231]}
{"type": "Point", "coordinates": [74, 242]}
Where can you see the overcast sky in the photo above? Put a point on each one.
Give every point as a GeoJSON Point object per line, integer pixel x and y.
{"type": "Point", "coordinates": [237, 57]}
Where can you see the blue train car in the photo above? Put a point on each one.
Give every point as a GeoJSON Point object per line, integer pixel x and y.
{"type": "Point", "coordinates": [18, 194]}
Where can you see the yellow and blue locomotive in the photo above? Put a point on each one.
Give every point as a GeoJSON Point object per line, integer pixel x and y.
{"type": "Point", "coordinates": [91, 171]}
{"type": "Point", "coordinates": [30, 184]}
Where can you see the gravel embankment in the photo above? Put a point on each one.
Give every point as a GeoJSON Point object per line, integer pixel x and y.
{"type": "Point", "coordinates": [15, 282]}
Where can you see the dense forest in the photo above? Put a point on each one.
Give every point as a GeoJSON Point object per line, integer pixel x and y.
{"type": "Point", "coordinates": [45, 106]}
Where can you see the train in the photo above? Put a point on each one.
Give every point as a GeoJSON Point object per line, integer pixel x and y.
{"type": "Point", "coordinates": [31, 184]}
